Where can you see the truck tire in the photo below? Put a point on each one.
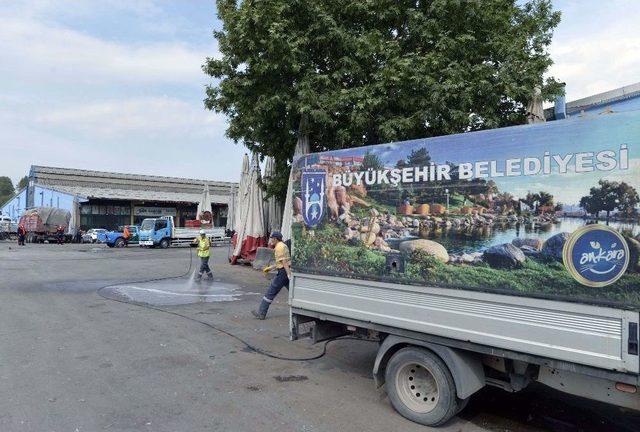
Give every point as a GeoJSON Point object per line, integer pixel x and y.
{"type": "Point", "coordinates": [420, 387]}
{"type": "Point", "coordinates": [119, 243]}
{"type": "Point", "coordinates": [164, 243]}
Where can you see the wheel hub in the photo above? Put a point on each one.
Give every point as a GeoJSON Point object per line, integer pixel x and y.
{"type": "Point", "coordinates": [417, 388]}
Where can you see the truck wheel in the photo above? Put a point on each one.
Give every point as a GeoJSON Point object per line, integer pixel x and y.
{"type": "Point", "coordinates": [164, 243]}
{"type": "Point", "coordinates": [119, 243]}
{"type": "Point", "coordinates": [420, 387]}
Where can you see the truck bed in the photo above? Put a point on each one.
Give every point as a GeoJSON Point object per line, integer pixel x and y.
{"type": "Point", "coordinates": [191, 233]}
{"type": "Point", "coordinates": [579, 333]}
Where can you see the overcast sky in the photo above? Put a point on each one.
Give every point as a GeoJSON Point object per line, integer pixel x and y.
{"type": "Point", "coordinates": [117, 85]}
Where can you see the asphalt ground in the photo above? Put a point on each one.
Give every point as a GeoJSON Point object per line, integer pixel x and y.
{"type": "Point", "coordinates": [73, 360]}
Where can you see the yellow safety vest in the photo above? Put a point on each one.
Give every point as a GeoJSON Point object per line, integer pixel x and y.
{"type": "Point", "coordinates": [204, 246]}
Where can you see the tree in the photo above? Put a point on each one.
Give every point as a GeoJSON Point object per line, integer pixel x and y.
{"type": "Point", "coordinates": [590, 203]}
{"type": "Point", "coordinates": [371, 161]}
{"type": "Point", "coordinates": [628, 199]}
{"type": "Point", "coordinates": [6, 189]}
{"type": "Point", "coordinates": [351, 73]}
{"type": "Point", "coordinates": [530, 200]}
{"type": "Point", "coordinates": [492, 187]}
{"type": "Point", "coordinates": [609, 196]}
{"type": "Point", "coordinates": [545, 199]}
{"type": "Point", "coordinates": [23, 183]}
{"type": "Point", "coordinates": [419, 158]}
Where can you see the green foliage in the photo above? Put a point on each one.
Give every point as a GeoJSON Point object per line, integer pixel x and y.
{"type": "Point", "coordinates": [351, 73]}
{"type": "Point", "coordinates": [371, 162]}
{"type": "Point", "coordinates": [417, 158]}
{"type": "Point", "coordinates": [326, 249]}
{"type": "Point", "coordinates": [628, 198]}
{"type": "Point", "coordinates": [539, 199]}
{"type": "Point", "coordinates": [609, 196]}
{"type": "Point", "coordinates": [6, 189]}
{"type": "Point", "coordinates": [23, 183]}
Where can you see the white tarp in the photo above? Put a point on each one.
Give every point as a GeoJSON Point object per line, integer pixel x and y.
{"type": "Point", "coordinates": [231, 209]}
{"type": "Point", "coordinates": [272, 207]}
{"type": "Point", "coordinates": [302, 147]}
{"type": "Point", "coordinates": [240, 198]}
{"type": "Point", "coordinates": [205, 203]}
{"type": "Point", "coordinates": [250, 232]}
{"type": "Point", "coordinates": [74, 222]}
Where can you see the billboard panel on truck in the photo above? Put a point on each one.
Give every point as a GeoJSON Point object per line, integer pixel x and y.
{"type": "Point", "coordinates": [547, 210]}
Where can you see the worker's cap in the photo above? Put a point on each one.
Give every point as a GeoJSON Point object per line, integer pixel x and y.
{"type": "Point", "coordinates": [276, 235]}
{"type": "Point", "coordinates": [201, 232]}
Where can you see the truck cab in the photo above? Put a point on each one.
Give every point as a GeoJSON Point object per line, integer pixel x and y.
{"type": "Point", "coordinates": [156, 232]}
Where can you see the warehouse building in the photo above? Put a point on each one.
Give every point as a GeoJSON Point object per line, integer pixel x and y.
{"type": "Point", "coordinates": [107, 200]}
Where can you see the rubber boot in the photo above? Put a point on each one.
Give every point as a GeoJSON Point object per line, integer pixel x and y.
{"type": "Point", "coordinates": [261, 313]}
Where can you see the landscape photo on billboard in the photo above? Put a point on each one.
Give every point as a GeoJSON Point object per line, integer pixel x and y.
{"type": "Point", "coordinates": [489, 211]}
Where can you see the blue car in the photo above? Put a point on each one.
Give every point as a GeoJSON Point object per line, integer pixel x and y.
{"type": "Point", "coordinates": [116, 238]}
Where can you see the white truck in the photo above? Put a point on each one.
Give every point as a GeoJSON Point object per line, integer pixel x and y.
{"type": "Point", "coordinates": [428, 247]}
{"type": "Point", "coordinates": [162, 232]}
{"type": "Point", "coordinates": [8, 228]}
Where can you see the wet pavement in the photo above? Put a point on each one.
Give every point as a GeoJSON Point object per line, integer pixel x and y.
{"type": "Point", "coordinates": [72, 360]}
{"type": "Point", "coordinates": [176, 291]}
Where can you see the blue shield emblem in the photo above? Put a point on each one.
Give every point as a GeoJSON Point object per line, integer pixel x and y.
{"type": "Point", "coordinates": [313, 196]}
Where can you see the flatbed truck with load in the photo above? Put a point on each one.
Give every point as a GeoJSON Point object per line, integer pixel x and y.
{"type": "Point", "coordinates": [463, 279]}
{"type": "Point", "coordinates": [41, 224]}
{"type": "Point", "coordinates": [161, 232]}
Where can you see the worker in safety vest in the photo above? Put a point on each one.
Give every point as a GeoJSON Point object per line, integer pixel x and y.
{"type": "Point", "coordinates": [60, 234]}
{"type": "Point", "coordinates": [22, 233]}
{"type": "Point", "coordinates": [125, 235]}
{"type": "Point", "coordinates": [283, 265]}
{"type": "Point", "coordinates": [204, 247]}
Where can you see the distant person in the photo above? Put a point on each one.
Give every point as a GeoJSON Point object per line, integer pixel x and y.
{"type": "Point", "coordinates": [283, 265]}
{"type": "Point", "coordinates": [60, 234]}
{"type": "Point", "coordinates": [78, 238]}
{"type": "Point", "coordinates": [204, 252]}
{"type": "Point", "coordinates": [126, 235]}
{"type": "Point", "coordinates": [22, 234]}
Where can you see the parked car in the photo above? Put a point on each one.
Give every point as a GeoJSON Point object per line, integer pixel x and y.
{"type": "Point", "coordinates": [116, 238]}
{"type": "Point", "coordinates": [91, 236]}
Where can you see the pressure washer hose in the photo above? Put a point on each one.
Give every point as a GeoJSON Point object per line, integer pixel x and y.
{"type": "Point", "coordinates": [251, 347]}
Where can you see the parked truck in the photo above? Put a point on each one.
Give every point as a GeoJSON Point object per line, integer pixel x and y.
{"type": "Point", "coordinates": [41, 224]}
{"type": "Point", "coordinates": [8, 228]}
{"type": "Point", "coordinates": [455, 255]}
{"type": "Point", "coordinates": [162, 232]}
{"type": "Point", "coordinates": [116, 238]}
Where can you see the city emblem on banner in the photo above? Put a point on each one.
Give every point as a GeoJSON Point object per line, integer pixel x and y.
{"type": "Point", "coordinates": [596, 255]}
{"type": "Point", "coordinates": [313, 188]}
